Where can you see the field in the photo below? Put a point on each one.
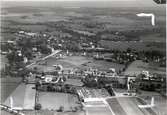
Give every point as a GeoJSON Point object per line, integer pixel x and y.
{"type": "Point", "coordinates": [136, 45]}
{"type": "Point", "coordinates": [128, 105]}
{"type": "Point", "coordinates": [79, 62]}
{"type": "Point", "coordinates": [160, 101]}
{"type": "Point", "coordinates": [103, 65]}
{"type": "Point", "coordinates": [98, 111]}
{"type": "Point", "coordinates": [67, 63]}
{"type": "Point", "coordinates": [76, 82]}
{"type": "Point", "coordinates": [154, 38]}
{"type": "Point", "coordinates": [53, 101]}
{"type": "Point", "coordinates": [119, 19]}
{"type": "Point", "coordinates": [7, 86]}
{"type": "Point", "coordinates": [33, 18]}
{"type": "Point", "coordinates": [23, 96]}
{"type": "Point", "coordinates": [138, 66]}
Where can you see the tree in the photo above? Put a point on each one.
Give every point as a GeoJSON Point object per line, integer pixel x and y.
{"type": "Point", "coordinates": [13, 57]}
{"type": "Point", "coordinates": [38, 106]}
{"type": "Point", "coordinates": [44, 49]}
{"type": "Point", "coordinates": [61, 109]}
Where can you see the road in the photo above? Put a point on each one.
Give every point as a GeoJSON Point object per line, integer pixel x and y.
{"type": "Point", "coordinates": [44, 58]}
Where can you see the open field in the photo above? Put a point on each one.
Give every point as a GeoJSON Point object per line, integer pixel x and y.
{"type": "Point", "coordinates": [76, 60]}
{"type": "Point", "coordinates": [153, 38]}
{"type": "Point", "coordinates": [53, 101]}
{"type": "Point", "coordinates": [128, 106]}
{"type": "Point", "coordinates": [33, 28]}
{"type": "Point", "coordinates": [136, 45]}
{"type": "Point", "coordinates": [17, 95]}
{"type": "Point", "coordinates": [7, 86]}
{"type": "Point", "coordinates": [120, 19]}
{"type": "Point", "coordinates": [31, 18]}
{"type": "Point", "coordinates": [75, 82]}
{"type": "Point", "coordinates": [102, 65]}
{"type": "Point", "coordinates": [23, 96]}
{"type": "Point", "coordinates": [98, 111]}
{"type": "Point", "coordinates": [160, 101]}
{"type": "Point", "coordinates": [138, 66]}
{"type": "Point", "coordinates": [84, 62]}
{"type": "Point", "coordinates": [79, 62]}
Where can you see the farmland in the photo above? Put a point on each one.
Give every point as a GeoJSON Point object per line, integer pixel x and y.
{"type": "Point", "coordinates": [67, 101]}
{"type": "Point", "coordinates": [138, 66]}
{"type": "Point", "coordinates": [136, 45]}
{"type": "Point", "coordinates": [125, 101]}
{"type": "Point", "coordinates": [8, 85]}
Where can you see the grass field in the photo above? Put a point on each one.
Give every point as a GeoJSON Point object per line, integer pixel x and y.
{"type": "Point", "coordinates": [98, 111]}
{"type": "Point", "coordinates": [76, 82]}
{"type": "Point", "coordinates": [23, 96]}
{"type": "Point", "coordinates": [7, 86]}
{"type": "Point", "coordinates": [138, 46]}
{"type": "Point", "coordinates": [103, 65]}
{"type": "Point", "coordinates": [31, 18]}
{"type": "Point", "coordinates": [18, 96]}
{"type": "Point", "coordinates": [153, 37]}
{"type": "Point", "coordinates": [160, 101]}
{"type": "Point", "coordinates": [138, 66]}
{"type": "Point", "coordinates": [53, 101]}
{"type": "Point", "coordinates": [79, 62]}
{"type": "Point", "coordinates": [128, 106]}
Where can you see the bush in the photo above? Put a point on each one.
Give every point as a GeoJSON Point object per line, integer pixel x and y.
{"type": "Point", "coordinates": [61, 109]}
{"type": "Point", "coordinates": [38, 106]}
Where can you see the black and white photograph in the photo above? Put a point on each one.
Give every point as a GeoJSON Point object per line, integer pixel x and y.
{"type": "Point", "coordinates": [83, 57]}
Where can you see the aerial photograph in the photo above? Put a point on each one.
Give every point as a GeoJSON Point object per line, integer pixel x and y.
{"type": "Point", "coordinates": [83, 57]}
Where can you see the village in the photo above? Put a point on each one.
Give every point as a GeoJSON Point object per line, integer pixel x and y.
{"type": "Point", "coordinates": [66, 81]}
{"type": "Point", "coordinates": [61, 60]}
